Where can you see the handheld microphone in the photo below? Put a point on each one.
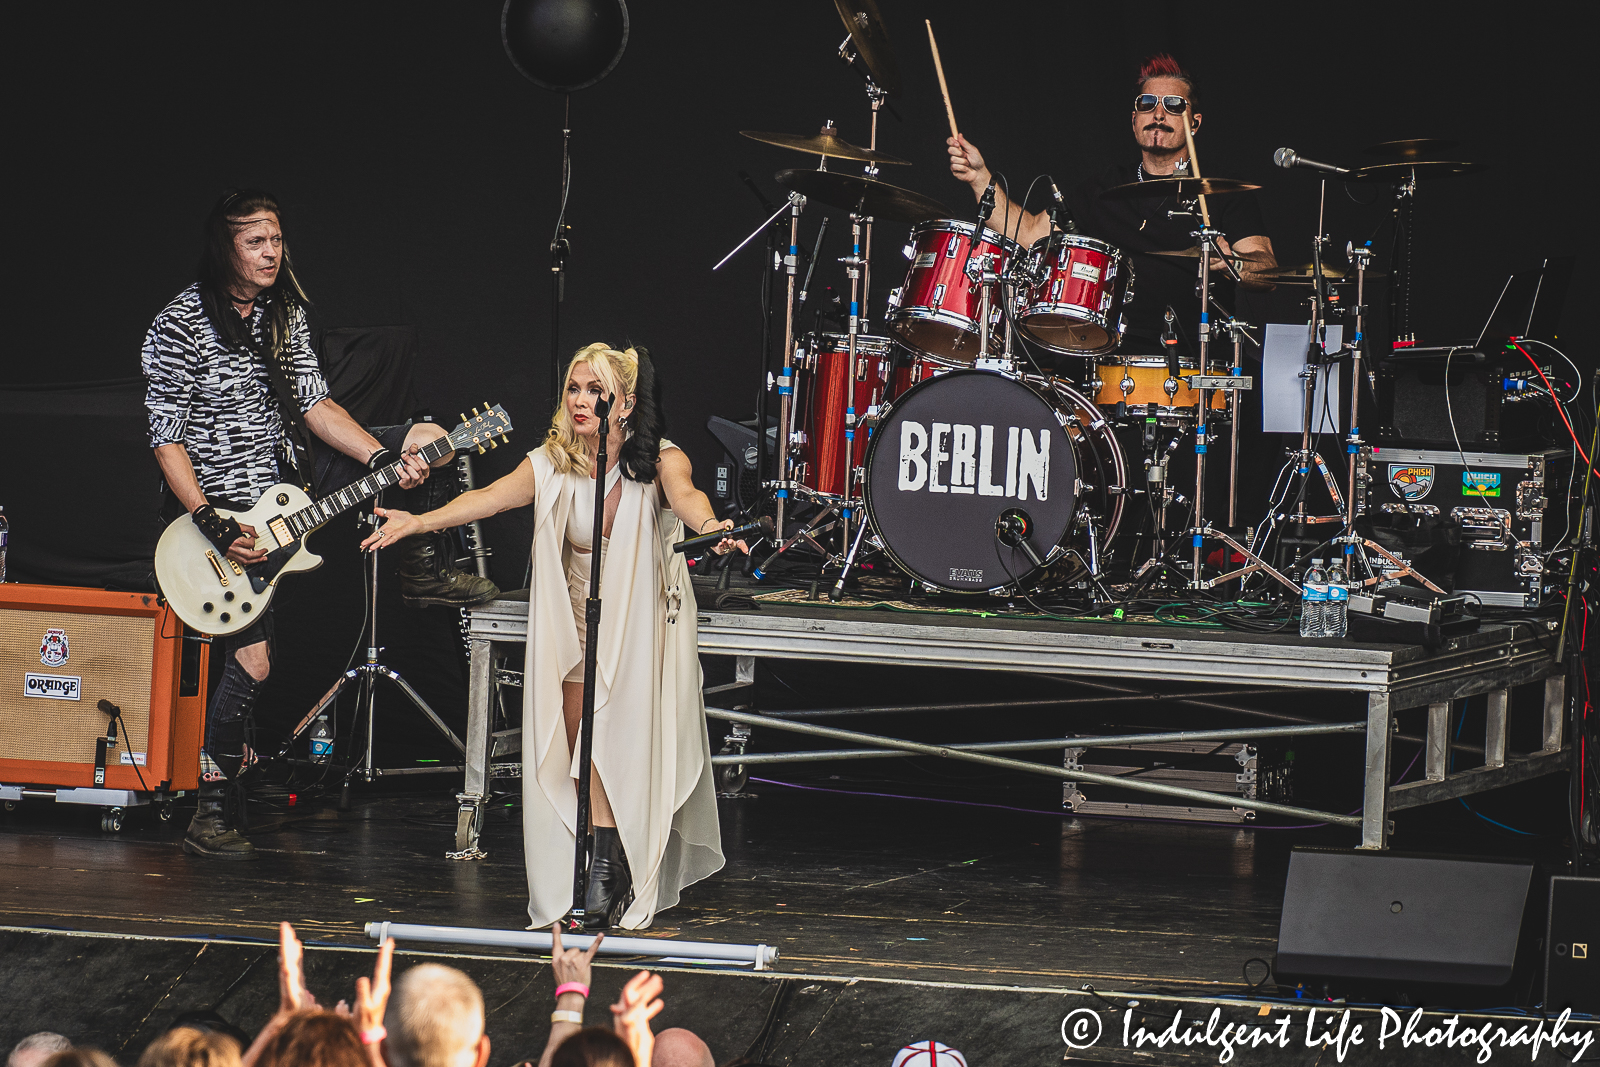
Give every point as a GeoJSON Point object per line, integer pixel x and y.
{"type": "Point", "coordinates": [1288, 157]}
{"type": "Point", "coordinates": [693, 546]}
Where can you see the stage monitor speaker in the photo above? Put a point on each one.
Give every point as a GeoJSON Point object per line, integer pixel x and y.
{"type": "Point", "coordinates": [1404, 928]}
{"type": "Point", "coordinates": [1572, 946]}
{"type": "Point", "coordinates": [63, 649]}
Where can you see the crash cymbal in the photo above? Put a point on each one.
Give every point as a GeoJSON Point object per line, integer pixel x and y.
{"type": "Point", "coordinates": [1399, 172]}
{"type": "Point", "coordinates": [826, 143]}
{"type": "Point", "coordinates": [1415, 148]}
{"type": "Point", "coordinates": [851, 192]}
{"type": "Point", "coordinates": [1190, 253]}
{"type": "Point", "coordinates": [1182, 188]}
{"type": "Point", "coordinates": [871, 38]}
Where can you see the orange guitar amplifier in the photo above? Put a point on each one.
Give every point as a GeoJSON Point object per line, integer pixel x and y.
{"type": "Point", "coordinates": [63, 650]}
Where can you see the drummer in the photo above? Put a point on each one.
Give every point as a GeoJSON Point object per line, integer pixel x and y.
{"type": "Point", "coordinates": [1165, 97]}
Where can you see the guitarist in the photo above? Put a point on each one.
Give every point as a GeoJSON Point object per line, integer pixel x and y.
{"type": "Point", "coordinates": [236, 404]}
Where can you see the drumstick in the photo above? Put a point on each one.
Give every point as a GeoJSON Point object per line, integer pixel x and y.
{"type": "Point", "coordinates": [1194, 160]}
{"type": "Point", "coordinates": [949, 112]}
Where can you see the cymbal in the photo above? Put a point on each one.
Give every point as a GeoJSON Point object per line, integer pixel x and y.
{"type": "Point", "coordinates": [1414, 148]}
{"type": "Point", "coordinates": [1191, 253]}
{"type": "Point", "coordinates": [826, 143]}
{"type": "Point", "coordinates": [1305, 273]}
{"type": "Point", "coordinates": [1399, 172]}
{"type": "Point", "coordinates": [871, 38]}
{"type": "Point", "coordinates": [1182, 188]}
{"type": "Point", "coordinates": [851, 192]}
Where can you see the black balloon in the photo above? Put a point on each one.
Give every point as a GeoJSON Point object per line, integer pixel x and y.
{"type": "Point", "coordinates": [564, 45]}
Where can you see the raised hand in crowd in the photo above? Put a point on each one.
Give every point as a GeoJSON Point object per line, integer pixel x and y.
{"type": "Point", "coordinates": [571, 968]}
{"type": "Point", "coordinates": [372, 1000]}
{"type": "Point", "coordinates": [632, 1012]}
{"type": "Point", "coordinates": [292, 993]}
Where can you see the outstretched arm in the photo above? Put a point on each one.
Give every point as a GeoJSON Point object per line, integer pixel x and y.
{"type": "Point", "coordinates": [676, 478]}
{"type": "Point", "coordinates": [513, 491]}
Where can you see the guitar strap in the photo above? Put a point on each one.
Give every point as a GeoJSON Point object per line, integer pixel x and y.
{"type": "Point", "coordinates": [294, 422]}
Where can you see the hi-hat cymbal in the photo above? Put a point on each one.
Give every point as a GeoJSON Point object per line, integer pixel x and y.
{"type": "Point", "coordinates": [1399, 172]}
{"type": "Point", "coordinates": [871, 38]}
{"type": "Point", "coordinates": [851, 192]}
{"type": "Point", "coordinates": [826, 143]}
{"type": "Point", "coordinates": [1182, 188]}
{"type": "Point", "coordinates": [1192, 253]}
{"type": "Point", "coordinates": [1414, 148]}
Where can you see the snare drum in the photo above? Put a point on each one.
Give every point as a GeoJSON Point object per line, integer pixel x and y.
{"type": "Point", "coordinates": [936, 311]}
{"type": "Point", "coordinates": [824, 389]}
{"type": "Point", "coordinates": [1076, 306]}
{"type": "Point", "coordinates": [1142, 380]}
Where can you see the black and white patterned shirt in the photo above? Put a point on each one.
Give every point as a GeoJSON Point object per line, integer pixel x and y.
{"type": "Point", "coordinates": [218, 402]}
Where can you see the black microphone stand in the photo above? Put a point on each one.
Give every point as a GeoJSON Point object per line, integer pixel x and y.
{"type": "Point", "coordinates": [591, 648]}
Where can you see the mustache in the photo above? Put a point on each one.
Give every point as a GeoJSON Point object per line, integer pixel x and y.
{"type": "Point", "coordinates": [1159, 126]}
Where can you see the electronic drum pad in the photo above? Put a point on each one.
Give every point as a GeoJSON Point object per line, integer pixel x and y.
{"type": "Point", "coordinates": [956, 454]}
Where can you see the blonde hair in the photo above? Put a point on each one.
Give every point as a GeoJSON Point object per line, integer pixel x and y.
{"type": "Point", "coordinates": [187, 1047]}
{"type": "Point", "coordinates": [618, 372]}
{"type": "Point", "coordinates": [435, 1018]}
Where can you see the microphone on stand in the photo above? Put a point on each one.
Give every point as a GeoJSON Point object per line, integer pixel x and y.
{"type": "Point", "coordinates": [1169, 345]}
{"type": "Point", "coordinates": [985, 209]}
{"type": "Point", "coordinates": [1060, 214]}
{"type": "Point", "coordinates": [1288, 158]}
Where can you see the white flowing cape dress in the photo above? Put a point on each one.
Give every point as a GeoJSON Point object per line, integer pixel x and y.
{"type": "Point", "coordinates": [650, 742]}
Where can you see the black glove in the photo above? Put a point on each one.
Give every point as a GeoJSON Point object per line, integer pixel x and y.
{"type": "Point", "coordinates": [218, 530]}
{"type": "Point", "coordinates": [381, 458]}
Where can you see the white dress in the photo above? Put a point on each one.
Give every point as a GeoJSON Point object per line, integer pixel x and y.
{"type": "Point", "coordinates": [650, 743]}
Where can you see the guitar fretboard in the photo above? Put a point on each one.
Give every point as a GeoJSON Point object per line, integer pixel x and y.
{"type": "Point", "coordinates": [307, 519]}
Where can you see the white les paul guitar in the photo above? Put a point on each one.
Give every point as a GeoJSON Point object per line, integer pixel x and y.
{"type": "Point", "coordinates": [218, 596]}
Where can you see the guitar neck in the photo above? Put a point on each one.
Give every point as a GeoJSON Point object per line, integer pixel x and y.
{"type": "Point", "coordinates": [339, 501]}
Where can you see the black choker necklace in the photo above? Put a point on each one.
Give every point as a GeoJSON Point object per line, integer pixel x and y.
{"type": "Point", "coordinates": [239, 300]}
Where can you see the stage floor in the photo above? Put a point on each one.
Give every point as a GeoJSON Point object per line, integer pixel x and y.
{"type": "Point", "coordinates": [839, 884]}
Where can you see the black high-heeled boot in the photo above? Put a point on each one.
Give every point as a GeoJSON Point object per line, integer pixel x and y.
{"type": "Point", "coordinates": [610, 889]}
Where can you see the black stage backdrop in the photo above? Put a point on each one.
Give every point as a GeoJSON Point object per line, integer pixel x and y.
{"type": "Point", "coordinates": [419, 174]}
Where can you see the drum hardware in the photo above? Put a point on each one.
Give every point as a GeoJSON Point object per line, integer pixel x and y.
{"type": "Point", "coordinates": [1192, 252]}
{"type": "Point", "coordinates": [871, 41]}
{"type": "Point", "coordinates": [1415, 148]}
{"type": "Point", "coordinates": [1409, 172]}
{"type": "Point", "coordinates": [870, 196]}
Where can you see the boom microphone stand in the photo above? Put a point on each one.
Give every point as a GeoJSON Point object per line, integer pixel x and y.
{"type": "Point", "coordinates": [591, 620]}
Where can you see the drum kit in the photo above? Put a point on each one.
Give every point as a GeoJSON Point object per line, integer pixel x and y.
{"type": "Point", "coordinates": [940, 444]}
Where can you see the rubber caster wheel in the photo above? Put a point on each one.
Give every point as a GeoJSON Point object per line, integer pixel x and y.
{"type": "Point", "coordinates": [111, 821]}
{"type": "Point", "coordinates": [164, 811]}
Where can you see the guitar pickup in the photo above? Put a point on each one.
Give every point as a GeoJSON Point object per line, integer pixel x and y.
{"type": "Point", "coordinates": [280, 530]}
{"type": "Point", "coordinates": [216, 565]}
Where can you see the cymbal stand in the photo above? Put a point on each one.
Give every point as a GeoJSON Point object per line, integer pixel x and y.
{"type": "Point", "coordinates": [1353, 442]}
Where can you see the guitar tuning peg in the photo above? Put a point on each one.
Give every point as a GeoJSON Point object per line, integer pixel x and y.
{"type": "Point", "coordinates": [481, 450]}
{"type": "Point", "coordinates": [463, 416]}
{"type": "Point", "coordinates": [505, 439]}
{"type": "Point", "coordinates": [487, 406]}
{"type": "Point", "coordinates": [474, 412]}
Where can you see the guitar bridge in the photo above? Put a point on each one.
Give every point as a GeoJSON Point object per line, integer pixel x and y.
{"type": "Point", "coordinates": [216, 565]}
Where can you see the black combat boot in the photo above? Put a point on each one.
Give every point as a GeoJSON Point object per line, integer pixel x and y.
{"type": "Point", "coordinates": [209, 833]}
{"type": "Point", "coordinates": [428, 573]}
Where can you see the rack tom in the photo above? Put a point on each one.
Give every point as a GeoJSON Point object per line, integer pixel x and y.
{"type": "Point", "coordinates": [936, 311]}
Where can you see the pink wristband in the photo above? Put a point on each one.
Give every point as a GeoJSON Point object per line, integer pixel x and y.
{"type": "Point", "coordinates": [373, 1036]}
{"type": "Point", "coordinates": [573, 987]}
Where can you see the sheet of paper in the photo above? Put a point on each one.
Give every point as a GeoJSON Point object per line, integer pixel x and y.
{"type": "Point", "coordinates": [1283, 357]}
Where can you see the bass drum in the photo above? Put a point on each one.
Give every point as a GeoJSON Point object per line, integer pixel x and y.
{"type": "Point", "coordinates": [961, 453]}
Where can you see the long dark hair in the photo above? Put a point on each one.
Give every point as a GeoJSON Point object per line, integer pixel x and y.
{"type": "Point", "coordinates": [217, 274]}
{"type": "Point", "coordinates": [592, 1047]}
{"type": "Point", "coordinates": [648, 422]}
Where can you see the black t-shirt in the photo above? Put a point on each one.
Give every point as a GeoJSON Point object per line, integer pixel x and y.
{"type": "Point", "coordinates": [1140, 226]}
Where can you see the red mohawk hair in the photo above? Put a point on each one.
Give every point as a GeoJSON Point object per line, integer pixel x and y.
{"type": "Point", "coordinates": [1163, 65]}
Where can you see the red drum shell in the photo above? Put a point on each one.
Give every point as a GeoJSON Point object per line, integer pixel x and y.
{"type": "Point", "coordinates": [936, 311]}
{"type": "Point", "coordinates": [817, 448]}
{"type": "Point", "coordinates": [1076, 308]}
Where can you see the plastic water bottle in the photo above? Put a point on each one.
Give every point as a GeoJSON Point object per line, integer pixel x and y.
{"type": "Point", "coordinates": [5, 538]}
{"type": "Point", "coordinates": [321, 739]}
{"type": "Point", "coordinates": [1335, 616]}
{"type": "Point", "coordinates": [1313, 600]}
